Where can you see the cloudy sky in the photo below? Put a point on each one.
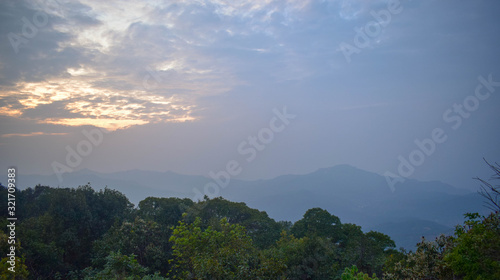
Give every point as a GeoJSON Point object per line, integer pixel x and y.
{"type": "Point", "coordinates": [181, 85]}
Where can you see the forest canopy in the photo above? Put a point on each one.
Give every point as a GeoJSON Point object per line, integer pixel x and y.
{"type": "Point", "coordinates": [65, 233]}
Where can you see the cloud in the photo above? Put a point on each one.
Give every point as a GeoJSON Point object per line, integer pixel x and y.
{"type": "Point", "coordinates": [121, 63]}
{"type": "Point", "coordinates": [32, 134]}
{"type": "Point", "coordinates": [78, 69]}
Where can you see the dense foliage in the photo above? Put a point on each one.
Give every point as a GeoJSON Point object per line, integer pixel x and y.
{"type": "Point", "coordinates": [81, 233]}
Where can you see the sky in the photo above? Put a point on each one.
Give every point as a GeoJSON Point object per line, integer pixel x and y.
{"type": "Point", "coordinates": [405, 89]}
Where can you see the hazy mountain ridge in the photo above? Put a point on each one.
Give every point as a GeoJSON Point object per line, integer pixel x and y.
{"type": "Point", "coordinates": [354, 195]}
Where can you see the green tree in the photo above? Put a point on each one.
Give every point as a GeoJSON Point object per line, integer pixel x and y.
{"type": "Point", "coordinates": [147, 240]}
{"type": "Point", "coordinates": [318, 222]}
{"type": "Point", "coordinates": [120, 267]}
{"type": "Point", "coordinates": [427, 262]}
{"type": "Point", "coordinates": [286, 255]}
{"type": "Point", "coordinates": [378, 247]}
{"type": "Point", "coordinates": [263, 230]}
{"type": "Point", "coordinates": [312, 257]}
{"type": "Point", "coordinates": [227, 253]}
{"type": "Point", "coordinates": [20, 269]}
{"type": "Point", "coordinates": [164, 211]}
{"type": "Point", "coordinates": [368, 252]}
{"type": "Point", "coordinates": [472, 253]}
{"type": "Point", "coordinates": [353, 274]}
{"type": "Point", "coordinates": [59, 225]}
{"type": "Point", "coordinates": [476, 254]}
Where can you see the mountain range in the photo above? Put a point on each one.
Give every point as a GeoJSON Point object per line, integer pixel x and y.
{"type": "Point", "coordinates": [414, 209]}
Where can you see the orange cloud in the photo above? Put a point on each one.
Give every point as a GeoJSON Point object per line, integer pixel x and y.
{"type": "Point", "coordinates": [31, 134]}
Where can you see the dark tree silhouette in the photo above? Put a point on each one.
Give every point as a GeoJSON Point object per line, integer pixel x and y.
{"type": "Point", "coordinates": [489, 191]}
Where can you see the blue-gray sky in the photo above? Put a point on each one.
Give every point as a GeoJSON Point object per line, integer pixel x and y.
{"type": "Point", "coordinates": [180, 85]}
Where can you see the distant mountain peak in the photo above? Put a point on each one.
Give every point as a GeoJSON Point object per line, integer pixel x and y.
{"type": "Point", "coordinates": [86, 171]}
{"type": "Point", "coordinates": [341, 167]}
